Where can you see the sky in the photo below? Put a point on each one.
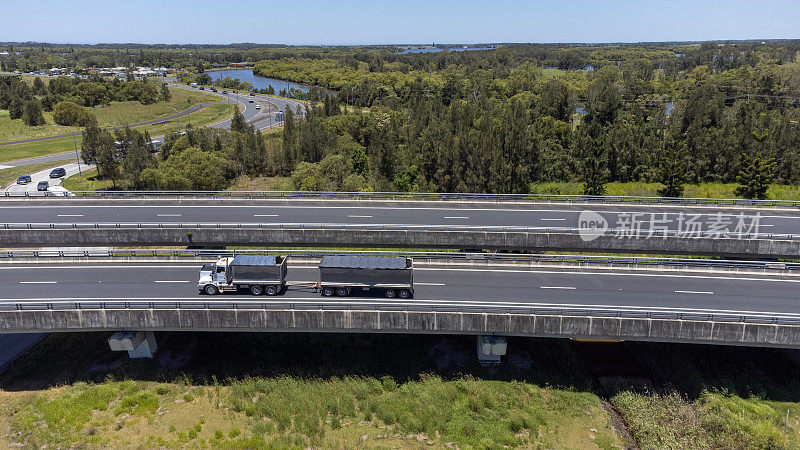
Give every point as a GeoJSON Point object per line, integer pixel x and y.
{"type": "Point", "coordinates": [348, 22]}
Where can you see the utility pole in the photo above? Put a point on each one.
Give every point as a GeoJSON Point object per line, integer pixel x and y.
{"type": "Point", "coordinates": [75, 143]}
{"type": "Point", "coordinates": [177, 117]}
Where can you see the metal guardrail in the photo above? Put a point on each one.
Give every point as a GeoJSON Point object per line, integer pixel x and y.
{"type": "Point", "coordinates": [786, 267]}
{"type": "Point", "coordinates": [414, 196]}
{"type": "Point", "coordinates": [391, 227]}
{"type": "Point", "coordinates": [421, 306]}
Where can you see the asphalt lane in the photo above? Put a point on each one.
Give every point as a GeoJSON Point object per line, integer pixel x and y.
{"type": "Point", "coordinates": [54, 184]}
{"type": "Point", "coordinates": [376, 212]}
{"type": "Point", "coordinates": [700, 292]}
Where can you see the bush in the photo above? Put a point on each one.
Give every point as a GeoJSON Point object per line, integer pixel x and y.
{"type": "Point", "coordinates": [69, 113]}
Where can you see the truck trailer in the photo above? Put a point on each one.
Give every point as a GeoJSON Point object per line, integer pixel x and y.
{"type": "Point", "coordinates": [339, 275]}
{"type": "Point", "coordinates": [258, 273]}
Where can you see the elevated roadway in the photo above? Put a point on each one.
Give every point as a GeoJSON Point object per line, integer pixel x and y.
{"type": "Point", "coordinates": [636, 303]}
{"type": "Point", "coordinates": [729, 230]}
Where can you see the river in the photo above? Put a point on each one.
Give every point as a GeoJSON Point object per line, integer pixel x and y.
{"type": "Point", "coordinates": [258, 82]}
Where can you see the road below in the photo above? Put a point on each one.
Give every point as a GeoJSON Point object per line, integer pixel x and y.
{"type": "Point", "coordinates": [54, 184]}
{"type": "Point", "coordinates": [689, 292]}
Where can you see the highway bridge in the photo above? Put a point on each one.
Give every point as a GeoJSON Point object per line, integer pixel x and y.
{"type": "Point", "coordinates": [667, 300]}
{"type": "Point", "coordinates": [682, 226]}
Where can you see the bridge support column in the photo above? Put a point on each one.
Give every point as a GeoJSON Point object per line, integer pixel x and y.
{"type": "Point", "coordinates": [491, 348]}
{"type": "Point", "coordinates": [138, 344]}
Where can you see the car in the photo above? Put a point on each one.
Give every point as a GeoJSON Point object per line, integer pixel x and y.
{"type": "Point", "coordinates": [202, 88]}
{"type": "Point", "coordinates": [252, 94]}
{"type": "Point", "coordinates": [25, 179]}
{"type": "Point", "coordinates": [235, 92]}
{"type": "Point", "coordinates": [58, 173]}
{"type": "Point", "coordinates": [213, 89]}
{"type": "Point", "coordinates": [251, 100]}
{"type": "Point", "coordinates": [224, 92]}
{"type": "Point", "coordinates": [258, 106]}
{"type": "Point", "coordinates": [42, 186]}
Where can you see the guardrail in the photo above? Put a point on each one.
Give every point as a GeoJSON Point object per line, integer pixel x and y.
{"type": "Point", "coordinates": [414, 196]}
{"type": "Point", "coordinates": [623, 233]}
{"type": "Point", "coordinates": [420, 306]}
{"type": "Point", "coordinates": [790, 267]}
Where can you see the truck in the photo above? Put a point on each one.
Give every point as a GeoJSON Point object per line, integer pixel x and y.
{"type": "Point", "coordinates": [259, 273]}
{"type": "Point", "coordinates": [194, 85]}
{"type": "Point", "coordinates": [340, 275]}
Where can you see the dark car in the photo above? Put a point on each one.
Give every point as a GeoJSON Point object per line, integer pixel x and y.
{"type": "Point", "coordinates": [25, 179]}
{"type": "Point", "coordinates": [58, 173]}
{"type": "Point", "coordinates": [224, 92]}
{"type": "Point", "coordinates": [202, 88]}
{"type": "Point", "coordinates": [42, 186]}
{"type": "Point", "coordinates": [251, 101]}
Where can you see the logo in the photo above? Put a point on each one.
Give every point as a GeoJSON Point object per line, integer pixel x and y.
{"type": "Point", "coordinates": [591, 225]}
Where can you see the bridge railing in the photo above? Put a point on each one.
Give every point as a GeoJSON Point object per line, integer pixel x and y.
{"type": "Point", "coordinates": [412, 196]}
{"type": "Point", "coordinates": [621, 233]}
{"type": "Point", "coordinates": [458, 257]}
{"type": "Point", "coordinates": [409, 306]}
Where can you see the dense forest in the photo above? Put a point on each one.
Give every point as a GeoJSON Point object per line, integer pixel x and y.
{"type": "Point", "coordinates": [506, 119]}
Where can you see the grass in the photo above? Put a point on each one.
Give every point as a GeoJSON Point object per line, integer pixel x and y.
{"type": "Point", "coordinates": [206, 116]}
{"type": "Point", "coordinates": [115, 114]}
{"type": "Point", "coordinates": [263, 396]}
{"type": "Point", "coordinates": [87, 181]}
{"type": "Point", "coordinates": [10, 175]}
{"type": "Point", "coordinates": [712, 421]}
{"type": "Point", "coordinates": [702, 190]}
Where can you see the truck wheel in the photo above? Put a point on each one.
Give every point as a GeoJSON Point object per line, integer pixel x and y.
{"type": "Point", "coordinates": [327, 291]}
{"type": "Point", "coordinates": [342, 292]}
{"type": "Point", "coordinates": [272, 290]}
{"type": "Point", "coordinates": [211, 289]}
{"type": "Point", "coordinates": [390, 293]}
{"type": "Point", "coordinates": [404, 293]}
{"type": "Point", "coordinates": [257, 290]}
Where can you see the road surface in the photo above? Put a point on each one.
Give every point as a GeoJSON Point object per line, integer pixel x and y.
{"type": "Point", "coordinates": [772, 221]}
{"type": "Point", "coordinates": [44, 175]}
{"type": "Point", "coordinates": [671, 291]}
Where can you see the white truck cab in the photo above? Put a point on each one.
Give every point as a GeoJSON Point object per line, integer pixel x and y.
{"type": "Point", "coordinates": [259, 273]}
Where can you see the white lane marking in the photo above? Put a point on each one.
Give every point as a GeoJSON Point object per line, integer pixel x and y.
{"type": "Point", "coordinates": [456, 217]}
{"type": "Point", "coordinates": [171, 281]}
{"type": "Point", "coordinates": [429, 284]}
{"type": "Point", "coordinates": [421, 208]}
{"type": "Point", "coordinates": [168, 215]}
{"type": "Point", "coordinates": [316, 301]}
{"type": "Point", "coordinates": [695, 292]}
{"type": "Point", "coordinates": [37, 282]}
{"type": "Point", "coordinates": [360, 217]}
{"type": "Point", "coordinates": [553, 220]}
{"type": "Point", "coordinates": [611, 274]}
{"type": "Point", "coordinates": [70, 215]}
{"type": "Point", "coordinates": [557, 287]}
{"type": "Point", "coordinates": [265, 215]}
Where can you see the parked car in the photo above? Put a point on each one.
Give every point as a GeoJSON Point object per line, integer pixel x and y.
{"type": "Point", "coordinates": [58, 173]}
{"type": "Point", "coordinates": [42, 186]}
{"type": "Point", "coordinates": [251, 100]}
{"type": "Point", "coordinates": [25, 179]}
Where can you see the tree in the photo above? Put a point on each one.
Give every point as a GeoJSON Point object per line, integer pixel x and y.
{"type": "Point", "coordinates": [166, 95]}
{"type": "Point", "coordinates": [672, 175]}
{"type": "Point", "coordinates": [16, 108]}
{"type": "Point", "coordinates": [97, 147]}
{"type": "Point", "coordinates": [69, 113]}
{"type": "Point", "coordinates": [32, 114]}
{"type": "Point", "coordinates": [755, 176]}
{"type": "Point", "coordinates": [238, 123]}
{"type": "Point", "coordinates": [137, 159]}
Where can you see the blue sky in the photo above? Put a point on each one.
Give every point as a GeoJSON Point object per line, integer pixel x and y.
{"type": "Point", "coordinates": [389, 22]}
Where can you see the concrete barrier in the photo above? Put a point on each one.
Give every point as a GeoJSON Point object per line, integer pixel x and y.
{"type": "Point", "coordinates": [255, 319]}
{"type": "Point", "coordinates": [413, 238]}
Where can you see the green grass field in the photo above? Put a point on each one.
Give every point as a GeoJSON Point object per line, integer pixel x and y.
{"type": "Point", "coordinates": [116, 114]}
{"type": "Point", "coordinates": [205, 116]}
{"type": "Point", "coordinates": [703, 190]}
